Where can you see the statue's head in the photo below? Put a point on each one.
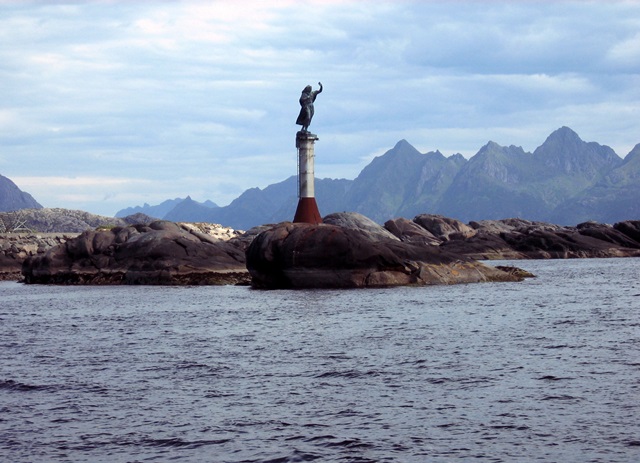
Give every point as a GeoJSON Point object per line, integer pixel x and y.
{"type": "Point", "coordinates": [307, 89]}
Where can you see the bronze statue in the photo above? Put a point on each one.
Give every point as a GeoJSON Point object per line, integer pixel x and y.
{"type": "Point", "coordinates": [306, 110]}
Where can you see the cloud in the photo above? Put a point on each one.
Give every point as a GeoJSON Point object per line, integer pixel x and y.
{"type": "Point", "coordinates": [625, 54]}
{"type": "Point", "coordinates": [200, 98]}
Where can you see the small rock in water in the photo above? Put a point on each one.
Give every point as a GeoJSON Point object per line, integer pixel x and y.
{"type": "Point", "coordinates": [515, 271]}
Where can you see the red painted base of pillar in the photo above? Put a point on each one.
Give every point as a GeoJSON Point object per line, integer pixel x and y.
{"type": "Point", "coordinates": [307, 211]}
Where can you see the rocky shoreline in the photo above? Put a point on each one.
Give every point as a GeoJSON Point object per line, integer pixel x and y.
{"type": "Point", "coordinates": [347, 250]}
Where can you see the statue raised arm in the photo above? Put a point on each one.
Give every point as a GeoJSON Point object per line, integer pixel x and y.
{"type": "Point", "coordinates": [306, 106]}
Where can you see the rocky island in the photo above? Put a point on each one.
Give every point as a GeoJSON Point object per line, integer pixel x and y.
{"type": "Point", "coordinates": [346, 250]}
{"type": "Point", "coordinates": [300, 255]}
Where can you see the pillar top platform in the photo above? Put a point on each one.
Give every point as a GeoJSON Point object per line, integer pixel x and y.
{"type": "Point", "coordinates": [302, 135]}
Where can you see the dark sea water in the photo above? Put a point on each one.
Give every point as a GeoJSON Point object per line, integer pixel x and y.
{"type": "Point", "coordinates": [547, 370]}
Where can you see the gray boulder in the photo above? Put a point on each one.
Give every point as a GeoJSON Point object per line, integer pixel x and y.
{"type": "Point", "coordinates": [630, 228]}
{"type": "Point", "coordinates": [444, 228]}
{"type": "Point", "coordinates": [16, 247]}
{"type": "Point", "coordinates": [407, 230]}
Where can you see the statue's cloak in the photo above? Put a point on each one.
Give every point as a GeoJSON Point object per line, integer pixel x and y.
{"type": "Point", "coordinates": [304, 118]}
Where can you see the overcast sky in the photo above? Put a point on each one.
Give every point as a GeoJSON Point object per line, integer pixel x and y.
{"type": "Point", "coordinates": [105, 105]}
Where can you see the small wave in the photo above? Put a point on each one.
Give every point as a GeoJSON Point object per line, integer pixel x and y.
{"type": "Point", "coordinates": [552, 378]}
{"type": "Point", "coordinates": [441, 380]}
{"type": "Point", "coordinates": [232, 425]}
{"type": "Point", "coordinates": [329, 440]}
{"type": "Point", "coordinates": [348, 374]}
{"type": "Point", "coordinates": [471, 382]}
{"type": "Point", "coordinates": [568, 322]}
{"type": "Point", "coordinates": [214, 394]}
{"type": "Point", "coordinates": [446, 425]}
{"type": "Point", "coordinates": [317, 438]}
{"type": "Point", "coordinates": [177, 442]}
{"type": "Point", "coordinates": [11, 385]}
{"type": "Point", "coordinates": [561, 397]}
{"type": "Point", "coordinates": [188, 365]}
{"type": "Point", "coordinates": [420, 363]}
{"type": "Point", "coordinates": [349, 444]}
{"type": "Point", "coordinates": [338, 356]}
{"type": "Point", "coordinates": [297, 456]}
{"type": "Point", "coordinates": [510, 426]}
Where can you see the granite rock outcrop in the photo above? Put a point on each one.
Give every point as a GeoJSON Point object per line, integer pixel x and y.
{"type": "Point", "coordinates": [329, 256]}
{"type": "Point", "coordinates": [356, 221]}
{"type": "Point", "coordinates": [348, 250]}
{"type": "Point", "coordinates": [158, 253]}
{"type": "Point", "coordinates": [524, 239]}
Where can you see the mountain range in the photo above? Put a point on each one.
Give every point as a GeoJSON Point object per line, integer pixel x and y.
{"type": "Point", "coordinates": [168, 207]}
{"type": "Point", "coordinates": [564, 181]}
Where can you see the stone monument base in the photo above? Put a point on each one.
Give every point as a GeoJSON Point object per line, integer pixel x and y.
{"type": "Point", "coordinates": [307, 212]}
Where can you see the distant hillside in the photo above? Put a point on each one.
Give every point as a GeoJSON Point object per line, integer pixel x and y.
{"type": "Point", "coordinates": [56, 220]}
{"type": "Point", "coordinates": [614, 197]}
{"type": "Point", "coordinates": [276, 203]}
{"type": "Point", "coordinates": [565, 181]}
{"type": "Point", "coordinates": [161, 210]}
{"type": "Point", "coordinates": [13, 198]}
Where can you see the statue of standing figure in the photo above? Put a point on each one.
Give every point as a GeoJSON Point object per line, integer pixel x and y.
{"type": "Point", "coordinates": [306, 106]}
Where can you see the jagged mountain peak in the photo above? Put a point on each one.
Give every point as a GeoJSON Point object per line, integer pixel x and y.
{"type": "Point", "coordinates": [402, 143]}
{"type": "Point", "coordinates": [491, 145]}
{"type": "Point", "coordinates": [563, 142]}
{"type": "Point", "coordinates": [564, 134]}
{"type": "Point", "coordinates": [564, 152]}
{"type": "Point", "coordinates": [402, 148]}
{"type": "Point", "coordinates": [435, 155]}
{"type": "Point", "coordinates": [493, 149]}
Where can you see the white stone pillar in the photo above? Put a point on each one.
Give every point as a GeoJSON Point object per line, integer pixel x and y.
{"type": "Point", "coordinates": [307, 211]}
{"type": "Point", "coordinates": [305, 143]}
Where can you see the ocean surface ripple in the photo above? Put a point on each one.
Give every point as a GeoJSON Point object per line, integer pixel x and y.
{"type": "Point", "coordinates": [547, 370]}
